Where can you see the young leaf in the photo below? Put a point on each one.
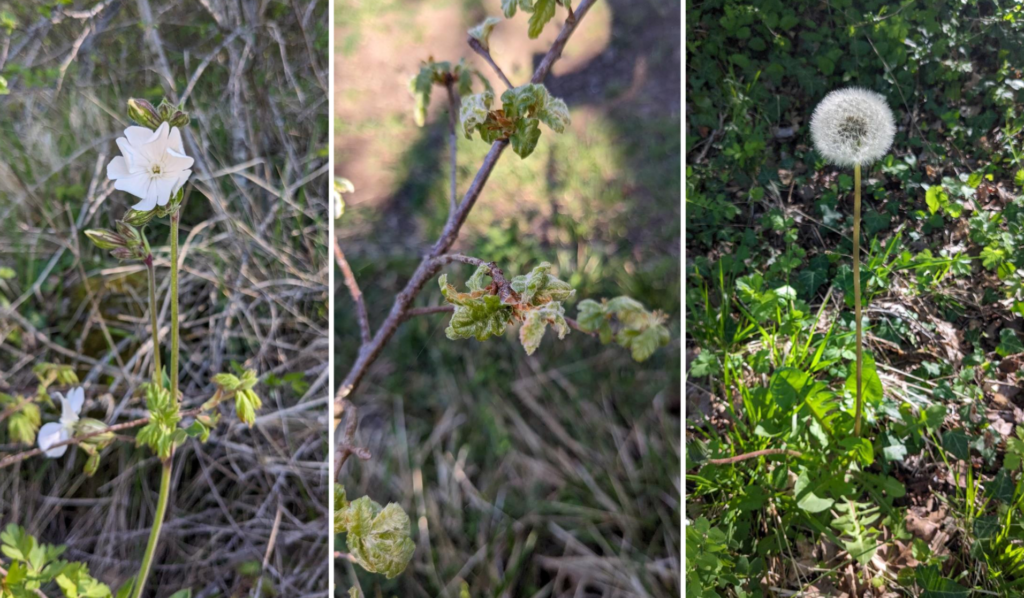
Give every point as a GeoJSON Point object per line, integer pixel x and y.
{"type": "Point", "coordinates": [536, 322]}
{"type": "Point", "coordinates": [378, 538]}
{"type": "Point", "coordinates": [543, 11]}
{"type": "Point", "coordinates": [474, 111]}
{"type": "Point", "coordinates": [524, 139]}
{"type": "Point", "coordinates": [540, 287]}
{"type": "Point", "coordinates": [482, 32]}
{"type": "Point", "coordinates": [477, 315]}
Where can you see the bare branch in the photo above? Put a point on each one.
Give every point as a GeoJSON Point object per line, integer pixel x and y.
{"type": "Point", "coordinates": [486, 54]}
{"type": "Point", "coordinates": [353, 289]}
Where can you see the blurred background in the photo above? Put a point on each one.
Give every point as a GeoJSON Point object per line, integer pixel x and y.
{"type": "Point", "coordinates": [551, 475]}
{"type": "Point", "coordinates": [247, 513]}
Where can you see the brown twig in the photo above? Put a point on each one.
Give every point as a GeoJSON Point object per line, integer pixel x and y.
{"type": "Point", "coordinates": [346, 447]}
{"type": "Point", "coordinates": [354, 290]}
{"type": "Point", "coordinates": [428, 267]}
{"type": "Point", "coordinates": [486, 54]}
{"type": "Point", "coordinates": [753, 455]}
{"type": "Point", "coordinates": [135, 423]}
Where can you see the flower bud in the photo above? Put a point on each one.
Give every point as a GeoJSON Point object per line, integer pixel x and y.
{"type": "Point", "coordinates": [91, 464]}
{"type": "Point", "coordinates": [137, 218]}
{"type": "Point", "coordinates": [88, 425]}
{"type": "Point", "coordinates": [106, 239]}
{"type": "Point", "coordinates": [172, 115]}
{"type": "Point", "coordinates": [144, 113]}
{"type": "Point", "coordinates": [131, 234]}
{"type": "Point", "coordinates": [123, 253]}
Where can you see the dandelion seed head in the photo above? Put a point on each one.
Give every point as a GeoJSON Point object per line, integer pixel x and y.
{"type": "Point", "coordinates": [852, 126]}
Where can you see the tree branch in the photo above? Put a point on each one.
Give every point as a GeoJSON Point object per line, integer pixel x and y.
{"type": "Point", "coordinates": [486, 54]}
{"type": "Point", "coordinates": [353, 289]}
{"type": "Point", "coordinates": [428, 266]}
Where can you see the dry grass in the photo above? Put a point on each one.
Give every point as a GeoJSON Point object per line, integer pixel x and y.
{"type": "Point", "coordinates": [247, 514]}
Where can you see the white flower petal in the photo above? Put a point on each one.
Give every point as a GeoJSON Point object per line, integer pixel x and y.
{"type": "Point", "coordinates": [75, 400]}
{"type": "Point", "coordinates": [162, 190]}
{"type": "Point", "coordinates": [145, 205]}
{"type": "Point", "coordinates": [49, 435]}
{"type": "Point", "coordinates": [174, 141]}
{"type": "Point", "coordinates": [136, 184]}
{"type": "Point", "coordinates": [175, 161]}
{"type": "Point", "coordinates": [117, 169]}
{"type": "Point", "coordinates": [182, 178]}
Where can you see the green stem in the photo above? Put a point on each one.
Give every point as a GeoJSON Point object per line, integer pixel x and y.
{"type": "Point", "coordinates": [157, 369]}
{"type": "Point", "coordinates": [175, 217]}
{"type": "Point", "coordinates": [154, 533]}
{"type": "Point", "coordinates": [856, 295]}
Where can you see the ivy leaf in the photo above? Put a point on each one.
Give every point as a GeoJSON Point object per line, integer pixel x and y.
{"type": "Point", "coordinates": [957, 444]}
{"type": "Point", "coordinates": [537, 321]}
{"type": "Point", "coordinates": [1009, 343]}
{"type": "Point", "coordinates": [482, 32]}
{"type": "Point", "coordinates": [477, 315]}
{"type": "Point", "coordinates": [539, 286]}
{"type": "Point", "coordinates": [524, 139]}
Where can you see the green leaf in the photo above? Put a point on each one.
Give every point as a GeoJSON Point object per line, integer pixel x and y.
{"type": "Point", "coordinates": [539, 286]}
{"type": "Point", "coordinates": [871, 384]}
{"type": "Point", "coordinates": [186, 593]}
{"type": "Point", "coordinates": [524, 139]}
{"type": "Point", "coordinates": [421, 85]}
{"type": "Point", "coordinates": [858, 539]}
{"type": "Point", "coordinates": [508, 7]}
{"type": "Point", "coordinates": [806, 499]}
{"type": "Point", "coordinates": [543, 11]}
{"type": "Point", "coordinates": [477, 315]}
{"type": "Point", "coordinates": [936, 198]}
{"type": "Point", "coordinates": [482, 32]}
{"type": "Point", "coordinates": [537, 321]}
{"type": "Point", "coordinates": [1018, 179]}
{"type": "Point", "coordinates": [474, 111]}
{"type": "Point", "coordinates": [957, 444]}
{"type": "Point", "coordinates": [1009, 343]}
{"type": "Point", "coordinates": [378, 538]}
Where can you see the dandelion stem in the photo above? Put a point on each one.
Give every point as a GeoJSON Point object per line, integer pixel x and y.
{"type": "Point", "coordinates": [856, 296]}
{"type": "Point", "coordinates": [157, 369]}
{"type": "Point", "coordinates": [154, 532]}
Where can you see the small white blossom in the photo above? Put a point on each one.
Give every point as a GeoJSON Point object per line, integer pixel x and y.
{"type": "Point", "coordinates": [153, 165]}
{"type": "Point", "coordinates": [55, 432]}
{"type": "Point", "coordinates": [852, 126]}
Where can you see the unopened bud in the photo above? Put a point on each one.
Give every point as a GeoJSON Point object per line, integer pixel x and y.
{"type": "Point", "coordinates": [137, 218]}
{"type": "Point", "coordinates": [106, 239]}
{"type": "Point", "coordinates": [131, 235]}
{"type": "Point", "coordinates": [123, 253]}
{"type": "Point", "coordinates": [144, 113]}
{"type": "Point", "coordinates": [87, 426]}
{"type": "Point", "coordinates": [172, 115]}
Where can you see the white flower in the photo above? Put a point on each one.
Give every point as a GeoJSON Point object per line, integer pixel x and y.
{"type": "Point", "coordinates": [54, 432]}
{"type": "Point", "coordinates": [153, 166]}
{"type": "Point", "coordinates": [852, 126]}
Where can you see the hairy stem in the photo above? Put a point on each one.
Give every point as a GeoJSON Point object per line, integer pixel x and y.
{"type": "Point", "coordinates": [175, 218]}
{"type": "Point", "coordinates": [856, 296]}
{"type": "Point", "coordinates": [154, 532]}
{"type": "Point", "coordinates": [154, 325]}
